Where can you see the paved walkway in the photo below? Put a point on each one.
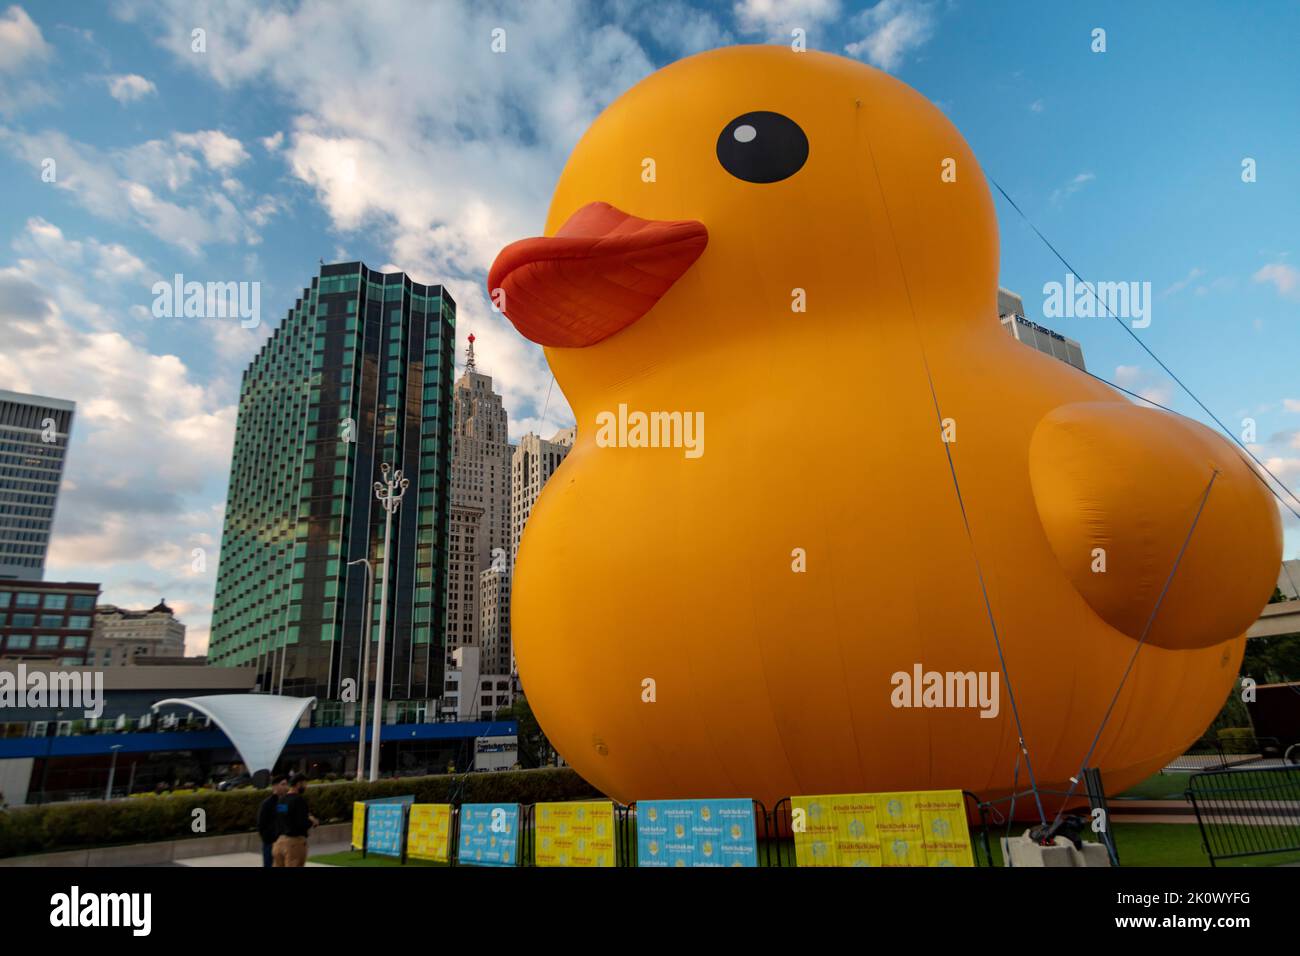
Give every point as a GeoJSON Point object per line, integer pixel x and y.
{"type": "Point", "coordinates": [255, 859]}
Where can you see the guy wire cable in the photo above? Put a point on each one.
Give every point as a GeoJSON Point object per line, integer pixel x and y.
{"type": "Point", "coordinates": [1074, 781]}
{"type": "Point", "coordinates": [1168, 371]}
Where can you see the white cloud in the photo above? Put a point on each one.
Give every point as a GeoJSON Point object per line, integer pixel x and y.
{"type": "Point", "coordinates": [1073, 186]}
{"type": "Point", "coordinates": [683, 30]}
{"type": "Point", "coordinates": [20, 40]}
{"type": "Point", "coordinates": [124, 184]}
{"type": "Point", "coordinates": [892, 30]}
{"type": "Point", "coordinates": [23, 57]}
{"type": "Point", "coordinates": [221, 152]}
{"type": "Point", "coordinates": [442, 160]}
{"type": "Point", "coordinates": [273, 142]}
{"type": "Point", "coordinates": [159, 163]}
{"type": "Point", "coordinates": [129, 87]}
{"type": "Point", "coordinates": [150, 445]}
{"type": "Point", "coordinates": [1036, 106]}
{"type": "Point", "coordinates": [776, 18]}
{"type": "Point", "coordinates": [1195, 273]}
{"type": "Point", "coordinates": [1284, 278]}
{"type": "Point", "coordinates": [48, 252]}
{"type": "Point", "coordinates": [1137, 379]}
{"type": "Point", "coordinates": [118, 262]}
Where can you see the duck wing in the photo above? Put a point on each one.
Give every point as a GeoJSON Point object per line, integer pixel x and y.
{"type": "Point", "coordinates": [1125, 492]}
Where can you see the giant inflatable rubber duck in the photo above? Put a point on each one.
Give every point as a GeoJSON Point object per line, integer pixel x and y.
{"type": "Point", "coordinates": [729, 602]}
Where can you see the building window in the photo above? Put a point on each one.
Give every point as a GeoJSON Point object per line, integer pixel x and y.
{"type": "Point", "coordinates": [47, 641]}
{"type": "Point", "coordinates": [56, 602]}
{"type": "Point", "coordinates": [51, 620]}
{"type": "Point", "coordinates": [23, 620]}
{"type": "Point", "coordinates": [75, 643]}
{"type": "Point", "coordinates": [83, 602]}
{"type": "Point", "coordinates": [27, 599]}
{"type": "Point", "coordinates": [79, 622]}
{"type": "Point", "coordinates": [19, 642]}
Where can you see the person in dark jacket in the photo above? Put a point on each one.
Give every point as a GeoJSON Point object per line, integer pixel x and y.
{"type": "Point", "coordinates": [293, 822]}
{"type": "Point", "coordinates": [266, 818]}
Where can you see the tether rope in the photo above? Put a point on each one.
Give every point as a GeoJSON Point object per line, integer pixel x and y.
{"type": "Point", "coordinates": [1074, 781]}
{"type": "Point", "coordinates": [970, 536]}
{"type": "Point", "coordinates": [988, 606]}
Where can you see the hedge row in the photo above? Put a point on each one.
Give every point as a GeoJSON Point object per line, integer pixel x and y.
{"type": "Point", "coordinates": [46, 828]}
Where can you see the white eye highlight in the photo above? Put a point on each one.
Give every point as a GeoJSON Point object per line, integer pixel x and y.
{"type": "Point", "coordinates": [745, 134]}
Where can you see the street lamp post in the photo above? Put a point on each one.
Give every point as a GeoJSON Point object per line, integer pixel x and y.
{"type": "Point", "coordinates": [389, 491]}
{"type": "Point", "coordinates": [365, 661]}
{"type": "Point", "coordinates": [112, 769]}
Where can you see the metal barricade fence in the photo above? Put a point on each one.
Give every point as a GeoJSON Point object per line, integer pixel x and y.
{"type": "Point", "coordinates": [1212, 753]}
{"type": "Point", "coordinates": [781, 846]}
{"type": "Point", "coordinates": [1247, 812]}
{"type": "Point", "coordinates": [627, 848]}
{"type": "Point", "coordinates": [781, 850]}
{"type": "Point", "coordinates": [773, 830]}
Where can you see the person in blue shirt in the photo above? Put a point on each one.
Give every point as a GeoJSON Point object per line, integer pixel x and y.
{"type": "Point", "coordinates": [266, 818]}
{"type": "Point", "coordinates": [293, 822]}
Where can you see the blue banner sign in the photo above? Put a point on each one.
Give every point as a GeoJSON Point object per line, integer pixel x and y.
{"type": "Point", "coordinates": [384, 828]}
{"type": "Point", "coordinates": [489, 834]}
{"type": "Point", "coordinates": [696, 833]}
{"type": "Point", "coordinates": [406, 799]}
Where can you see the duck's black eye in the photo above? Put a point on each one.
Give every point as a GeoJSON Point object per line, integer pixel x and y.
{"type": "Point", "coordinates": [762, 147]}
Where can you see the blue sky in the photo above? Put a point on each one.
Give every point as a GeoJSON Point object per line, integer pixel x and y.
{"type": "Point", "coordinates": [389, 131]}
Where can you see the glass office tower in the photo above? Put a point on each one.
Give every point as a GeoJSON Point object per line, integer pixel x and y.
{"type": "Point", "coordinates": [33, 444]}
{"type": "Point", "coordinates": [359, 373]}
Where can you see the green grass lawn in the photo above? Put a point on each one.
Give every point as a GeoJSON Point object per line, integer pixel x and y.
{"type": "Point", "coordinates": [1154, 844]}
{"type": "Point", "coordinates": [1161, 786]}
{"type": "Point", "coordinates": [354, 858]}
{"type": "Point", "coordinates": [1139, 844]}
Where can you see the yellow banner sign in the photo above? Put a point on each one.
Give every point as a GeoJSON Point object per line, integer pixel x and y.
{"type": "Point", "coordinates": [358, 825]}
{"type": "Point", "coordinates": [428, 832]}
{"type": "Point", "coordinates": [882, 829]}
{"type": "Point", "coordinates": [574, 834]}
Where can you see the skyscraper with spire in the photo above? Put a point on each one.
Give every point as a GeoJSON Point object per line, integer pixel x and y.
{"type": "Point", "coordinates": [480, 498]}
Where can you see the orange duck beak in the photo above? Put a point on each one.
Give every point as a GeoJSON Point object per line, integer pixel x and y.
{"type": "Point", "coordinates": [600, 272]}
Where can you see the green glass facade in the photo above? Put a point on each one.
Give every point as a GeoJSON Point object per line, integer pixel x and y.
{"type": "Point", "coordinates": [359, 373]}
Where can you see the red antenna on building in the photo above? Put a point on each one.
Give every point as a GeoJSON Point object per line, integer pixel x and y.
{"type": "Point", "coordinates": [469, 355]}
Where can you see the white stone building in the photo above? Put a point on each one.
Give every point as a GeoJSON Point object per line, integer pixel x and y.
{"type": "Point", "coordinates": [122, 636]}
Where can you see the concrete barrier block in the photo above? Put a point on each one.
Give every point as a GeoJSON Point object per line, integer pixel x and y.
{"type": "Point", "coordinates": [1022, 851]}
{"type": "Point", "coordinates": [1094, 854]}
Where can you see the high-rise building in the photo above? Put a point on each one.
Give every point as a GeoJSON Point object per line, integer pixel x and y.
{"type": "Point", "coordinates": [480, 498]}
{"type": "Point", "coordinates": [123, 636]}
{"type": "Point", "coordinates": [1288, 579]}
{"type": "Point", "coordinates": [494, 618]}
{"type": "Point", "coordinates": [1011, 313]}
{"type": "Point", "coordinates": [357, 375]}
{"type": "Point", "coordinates": [535, 460]}
{"type": "Point", "coordinates": [472, 692]}
{"type": "Point", "coordinates": [33, 445]}
{"type": "Point", "coordinates": [465, 545]}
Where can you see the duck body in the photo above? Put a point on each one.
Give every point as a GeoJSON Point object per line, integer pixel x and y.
{"type": "Point", "coordinates": [733, 623]}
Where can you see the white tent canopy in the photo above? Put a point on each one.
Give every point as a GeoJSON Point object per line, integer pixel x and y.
{"type": "Point", "coordinates": [258, 725]}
